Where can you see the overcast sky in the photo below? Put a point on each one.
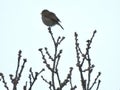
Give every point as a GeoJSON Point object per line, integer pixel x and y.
{"type": "Point", "coordinates": [21, 28]}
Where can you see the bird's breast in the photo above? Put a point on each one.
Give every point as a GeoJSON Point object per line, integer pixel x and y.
{"type": "Point", "coordinates": [48, 21]}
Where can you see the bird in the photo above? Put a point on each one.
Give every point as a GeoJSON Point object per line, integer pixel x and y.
{"type": "Point", "coordinates": [50, 19]}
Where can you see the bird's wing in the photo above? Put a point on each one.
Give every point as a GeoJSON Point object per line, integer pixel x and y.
{"type": "Point", "coordinates": [54, 17]}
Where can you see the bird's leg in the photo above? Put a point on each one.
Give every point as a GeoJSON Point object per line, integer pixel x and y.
{"type": "Point", "coordinates": [49, 28]}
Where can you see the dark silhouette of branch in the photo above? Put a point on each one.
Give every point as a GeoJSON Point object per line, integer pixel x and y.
{"type": "Point", "coordinates": [99, 73]}
{"type": "Point", "coordinates": [81, 59]}
{"type": "Point", "coordinates": [54, 67]}
{"type": "Point", "coordinates": [98, 84]}
{"type": "Point", "coordinates": [79, 64]}
{"type": "Point", "coordinates": [45, 60]}
{"type": "Point", "coordinates": [70, 77]}
{"type": "Point", "coordinates": [56, 43]}
{"type": "Point", "coordinates": [50, 57]}
{"type": "Point", "coordinates": [3, 80]}
{"type": "Point", "coordinates": [48, 82]}
{"type": "Point", "coordinates": [33, 78]}
{"type": "Point", "coordinates": [17, 75]}
{"type": "Point", "coordinates": [25, 86]}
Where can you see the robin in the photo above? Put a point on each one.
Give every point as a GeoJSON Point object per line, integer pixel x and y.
{"type": "Point", "coordinates": [50, 19]}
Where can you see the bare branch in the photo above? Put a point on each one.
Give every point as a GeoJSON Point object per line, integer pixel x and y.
{"type": "Point", "coordinates": [18, 74]}
{"type": "Point", "coordinates": [33, 78]}
{"type": "Point", "coordinates": [3, 80]}
{"type": "Point", "coordinates": [98, 85]}
{"type": "Point", "coordinates": [85, 57]}
{"type": "Point", "coordinates": [99, 73]}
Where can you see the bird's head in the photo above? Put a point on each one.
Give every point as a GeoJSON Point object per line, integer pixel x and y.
{"type": "Point", "coordinates": [45, 11]}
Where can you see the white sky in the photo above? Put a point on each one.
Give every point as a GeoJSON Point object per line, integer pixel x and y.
{"type": "Point", "coordinates": [21, 28]}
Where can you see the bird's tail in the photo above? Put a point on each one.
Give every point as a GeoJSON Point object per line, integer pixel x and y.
{"type": "Point", "coordinates": [60, 26]}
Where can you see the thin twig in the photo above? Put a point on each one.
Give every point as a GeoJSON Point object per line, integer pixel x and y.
{"type": "Point", "coordinates": [99, 73]}
{"type": "Point", "coordinates": [34, 78]}
{"type": "Point", "coordinates": [98, 84]}
{"type": "Point", "coordinates": [4, 82]}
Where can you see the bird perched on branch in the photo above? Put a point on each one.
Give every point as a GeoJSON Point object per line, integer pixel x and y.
{"type": "Point", "coordinates": [50, 19]}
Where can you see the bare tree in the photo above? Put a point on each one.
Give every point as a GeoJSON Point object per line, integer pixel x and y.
{"type": "Point", "coordinates": [18, 74]}
{"type": "Point", "coordinates": [81, 59]}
